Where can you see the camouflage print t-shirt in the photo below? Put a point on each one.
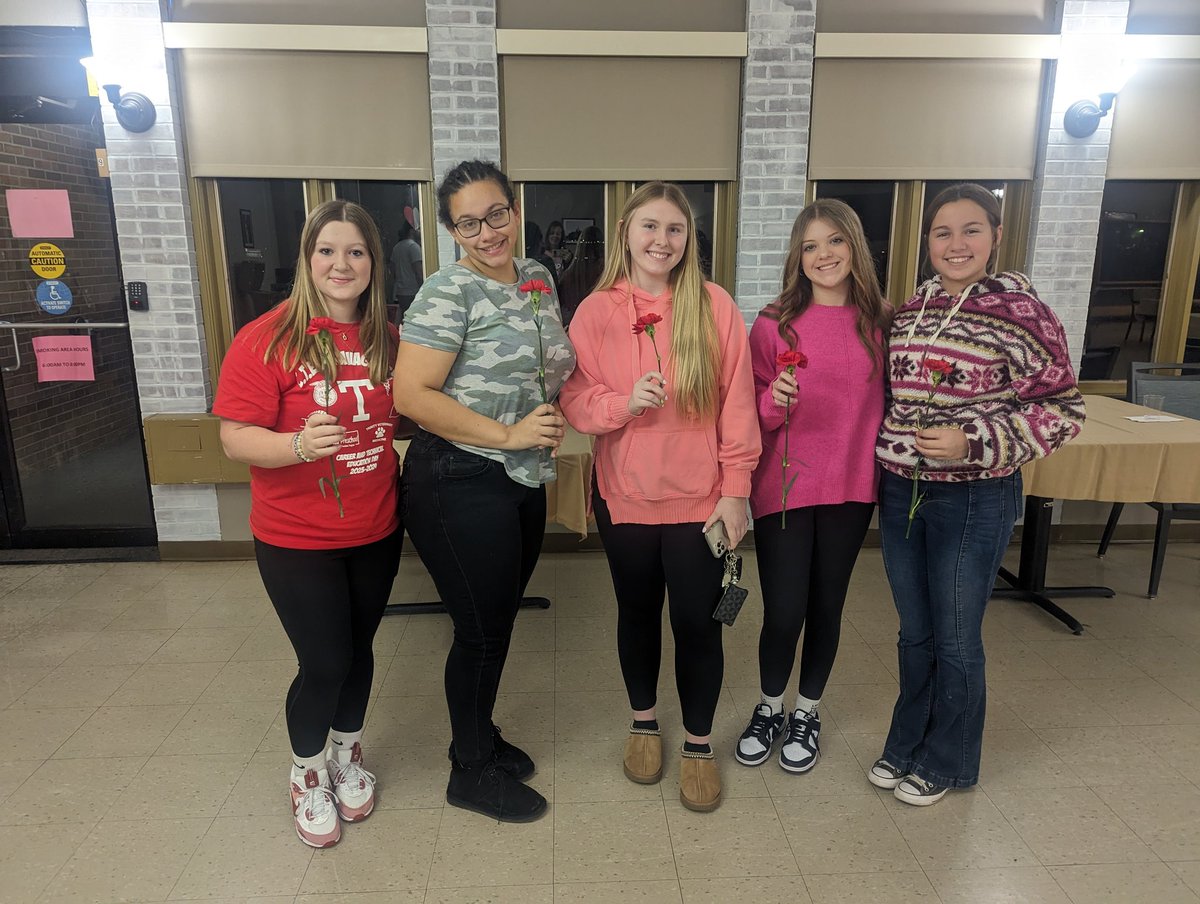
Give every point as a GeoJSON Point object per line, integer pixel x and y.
{"type": "Point", "coordinates": [490, 326]}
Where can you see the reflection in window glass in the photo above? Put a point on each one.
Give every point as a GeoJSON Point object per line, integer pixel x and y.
{"type": "Point", "coordinates": [261, 220]}
{"type": "Point", "coordinates": [395, 208]}
{"type": "Point", "coordinates": [1131, 257]}
{"type": "Point", "coordinates": [872, 201]}
{"type": "Point", "coordinates": [564, 230]}
{"type": "Point", "coordinates": [924, 268]}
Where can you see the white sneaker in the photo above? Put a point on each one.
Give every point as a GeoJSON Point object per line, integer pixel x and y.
{"type": "Point", "coordinates": [353, 786]}
{"type": "Point", "coordinates": [313, 807]}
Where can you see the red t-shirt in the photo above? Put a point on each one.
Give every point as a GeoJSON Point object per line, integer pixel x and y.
{"type": "Point", "coordinates": [287, 507]}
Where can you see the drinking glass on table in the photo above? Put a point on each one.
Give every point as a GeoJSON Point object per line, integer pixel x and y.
{"type": "Point", "coordinates": [1154, 400]}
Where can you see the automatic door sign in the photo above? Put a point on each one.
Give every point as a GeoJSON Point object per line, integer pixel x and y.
{"type": "Point", "coordinates": [47, 260]}
{"type": "Point", "coordinates": [54, 297]}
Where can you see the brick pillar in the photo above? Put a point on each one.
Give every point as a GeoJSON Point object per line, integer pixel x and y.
{"type": "Point", "coordinates": [154, 237]}
{"type": "Point", "coordinates": [464, 90]}
{"type": "Point", "coordinates": [776, 101]}
{"type": "Point", "coordinates": [1069, 181]}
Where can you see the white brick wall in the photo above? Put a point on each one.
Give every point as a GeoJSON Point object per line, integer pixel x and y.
{"type": "Point", "coordinates": [464, 94]}
{"type": "Point", "coordinates": [776, 100]}
{"type": "Point", "coordinates": [1069, 181]}
{"type": "Point", "coordinates": [154, 235]}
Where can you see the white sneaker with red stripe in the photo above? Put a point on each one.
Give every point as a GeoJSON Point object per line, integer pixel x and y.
{"type": "Point", "coordinates": [353, 786]}
{"type": "Point", "coordinates": [314, 807]}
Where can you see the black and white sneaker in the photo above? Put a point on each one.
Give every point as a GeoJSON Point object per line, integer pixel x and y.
{"type": "Point", "coordinates": [754, 746]}
{"type": "Point", "coordinates": [918, 792]}
{"type": "Point", "coordinates": [883, 774]}
{"type": "Point", "coordinates": [801, 748]}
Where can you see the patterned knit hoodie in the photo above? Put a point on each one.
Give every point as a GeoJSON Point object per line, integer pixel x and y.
{"type": "Point", "coordinates": [1011, 391]}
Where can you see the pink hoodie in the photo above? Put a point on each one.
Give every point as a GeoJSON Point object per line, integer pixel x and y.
{"type": "Point", "coordinates": [659, 468]}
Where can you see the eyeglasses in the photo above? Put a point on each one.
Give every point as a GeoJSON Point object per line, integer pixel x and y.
{"type": "Point", "coordinates": [470, 227]}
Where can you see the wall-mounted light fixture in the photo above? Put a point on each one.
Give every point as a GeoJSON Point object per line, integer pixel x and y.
{"type": "Point", "coordinates": [1083, 117]}
{"type": "Point", "coordinates": [135, 111]}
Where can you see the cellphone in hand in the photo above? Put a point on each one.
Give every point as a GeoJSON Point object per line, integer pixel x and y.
{"type": "Point", "coordinates": [718, 539]}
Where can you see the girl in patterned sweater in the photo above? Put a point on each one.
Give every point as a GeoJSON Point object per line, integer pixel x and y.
{"type": "Point", "coordinates": [980, 384]}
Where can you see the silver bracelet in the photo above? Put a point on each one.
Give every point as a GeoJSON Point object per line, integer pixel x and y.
{"type": "Point", "coordinates": [298, 449]}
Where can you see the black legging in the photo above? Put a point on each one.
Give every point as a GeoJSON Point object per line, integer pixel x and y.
{"type": "Point", "coordinates": [330, 602]}
{"type": "Point", "coordinates": [645, 560]}
{"type": "Point", "coordinates": [804, 571]}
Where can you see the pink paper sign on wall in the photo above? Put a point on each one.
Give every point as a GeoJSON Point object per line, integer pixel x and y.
{"type": "Point", "coordinates": [62, 358]}
{"type": "Point", "coordinates": [37, 213]}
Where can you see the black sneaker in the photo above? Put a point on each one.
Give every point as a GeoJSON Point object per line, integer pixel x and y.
{"type": "Point", "coordinates": [883, 774]}
{"type": "Point", "coordinates": [489, 790]}
{"type": "Point", "coordinates": [509, 757]}
{"type": "Point", "coordinates": [801, 748]}
{"type": "Point", "coordinates": [918, 792]}
{"type": "Point", "coordinates": [754, 746]}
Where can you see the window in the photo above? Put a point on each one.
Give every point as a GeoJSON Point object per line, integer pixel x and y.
{"type": "Point", "coordinates": [873, 202]}
{"type": "Point", "coordinates": [396, 209]}
{"type": "Point", "coordinates": [1127, 278]}
{"type": "Point", "coordinates": [565, 230]}
{"type": "Point", "coordinates": [261, 221]}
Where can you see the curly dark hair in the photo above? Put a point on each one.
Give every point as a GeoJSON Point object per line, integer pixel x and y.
{"type": "Point", "coordinates": [464, 174]}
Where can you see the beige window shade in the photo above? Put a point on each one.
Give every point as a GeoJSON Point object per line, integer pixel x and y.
{"type": "Point", "coordinates": [938, 16]}
{"type": "Point", "coordinates": [624, 15]}
{"type": "Point", "coordinates": [303, 12]}
{"type": "Point", "coordinates": [598, 118]}
{"type": "Point", "coordinates": [294, 114]}
{"type": "Point", "coordinates": [924, 119]}
{"type": "Point", "coordinates": [1156, 123]}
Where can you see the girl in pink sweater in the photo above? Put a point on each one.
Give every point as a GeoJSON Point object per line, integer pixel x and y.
{"type": "Point", "coordinates": [811, 515]}
{"type": "Point", "coordinates": [672, 407]}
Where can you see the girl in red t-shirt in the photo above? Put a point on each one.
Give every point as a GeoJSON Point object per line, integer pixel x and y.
{"type": "Point", "coordinates": [305, 399]}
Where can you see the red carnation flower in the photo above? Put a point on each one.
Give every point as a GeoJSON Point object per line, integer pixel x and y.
{"type": "Point", "coordinates": [535, 285]}
{"type": "Point", "coordinates": [320, 323]}
{"type": "Point", "coordinates": [938, 369]}
{"type": "Point", "coordinates": [791, 360]}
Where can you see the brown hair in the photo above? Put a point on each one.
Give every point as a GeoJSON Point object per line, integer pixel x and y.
{"type": "Point", "coordinates": [874, 311]}
{"type": "Point", "coordinates": [695, 356]}
{"type": "Point", "coordinates": [306, 302]}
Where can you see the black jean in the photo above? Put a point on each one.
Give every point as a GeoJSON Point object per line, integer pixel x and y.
{"type": "Point", "coordinates": [330, 602]}
{"type": "Point", "coordinates": [646, 561]}
{"type": "Point", "coordinates": [804, 570]}
{"type": "Point", "coordinates": [479, 533]}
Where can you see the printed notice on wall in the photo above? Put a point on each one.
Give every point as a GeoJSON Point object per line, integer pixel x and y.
{"type": "Point", "coordinates": [64, 358]}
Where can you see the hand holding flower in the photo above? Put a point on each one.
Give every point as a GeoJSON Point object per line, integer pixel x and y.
{"type": "Point", "coordinates": [942, 443]}
{"type": "Point", "coordinates": [783, 390]}
{"type": "Point", "coordinates": [321, 435]}
{"type": "Point", "coordinates": [648, 392]}
{"type": "Point", "coordinates": [541, 428]}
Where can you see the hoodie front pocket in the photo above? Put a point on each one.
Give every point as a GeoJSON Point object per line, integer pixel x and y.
{"type": "Point", "coordinates": [670, 465]}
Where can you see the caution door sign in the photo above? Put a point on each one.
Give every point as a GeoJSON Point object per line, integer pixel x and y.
{"type": "Point", "coordinates": [47, 260]}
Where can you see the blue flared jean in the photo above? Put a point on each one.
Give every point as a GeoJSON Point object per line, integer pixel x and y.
{"type": "Point", "coordinates": [942, 575]}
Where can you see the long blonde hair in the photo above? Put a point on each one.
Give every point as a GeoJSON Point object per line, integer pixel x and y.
{"type": "Point", "coordinates": [874, 311]}
{"type": "Point", "coordinates": [695, 355]}
{"type": "Point", "coordinates": [306, 302]}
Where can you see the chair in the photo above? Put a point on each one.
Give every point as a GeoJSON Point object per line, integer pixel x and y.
{"type": "Point", "coordinates": [1179, 385]}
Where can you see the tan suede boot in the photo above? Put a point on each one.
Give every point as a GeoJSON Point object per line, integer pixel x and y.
{"type": "Point", "coordinates": [643, 756]}
{"type": "Point", "coordinates": [699, 781]}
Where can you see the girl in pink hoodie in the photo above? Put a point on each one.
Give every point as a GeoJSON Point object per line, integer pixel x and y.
{"type": "Point", "coordinates": [664, 382]}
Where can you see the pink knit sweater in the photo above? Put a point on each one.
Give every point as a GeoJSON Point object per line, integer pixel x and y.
{"type": "Point", "coordinates": [832, 424]}
{"type": "Point", "coordinates": [660, 467]}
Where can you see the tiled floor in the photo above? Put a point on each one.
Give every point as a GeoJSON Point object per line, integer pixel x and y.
{"type": "Point", "coordinates": [145, 755]}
